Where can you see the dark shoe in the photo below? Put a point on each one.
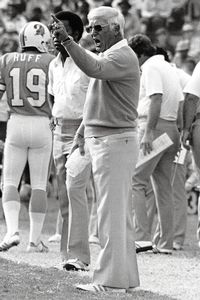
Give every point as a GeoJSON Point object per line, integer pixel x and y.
{"type": "Point", "coordinates": [75, 264]}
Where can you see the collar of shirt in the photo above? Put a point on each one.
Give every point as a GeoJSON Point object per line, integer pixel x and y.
{"type": "Point", "coordinates": [58, 60]}
{"type": "Point", "coordinates": [116, 46]}
{"type": "Point", "coordinates": [153, 58]}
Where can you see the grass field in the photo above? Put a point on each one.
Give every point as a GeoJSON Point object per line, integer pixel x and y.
{"type": "Point", "coordinates": [40, 276]}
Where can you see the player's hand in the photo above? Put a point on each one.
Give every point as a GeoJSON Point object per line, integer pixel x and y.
{"type": "Point", "coordinates": [78, 142]}
{"type": "Point", "coordinates": [185, 138]}
{"type": "Point", "coordinates": [58, 29]}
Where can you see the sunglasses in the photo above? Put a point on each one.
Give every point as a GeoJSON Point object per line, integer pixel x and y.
{"type": "Point", "coordinates": [97, 28]}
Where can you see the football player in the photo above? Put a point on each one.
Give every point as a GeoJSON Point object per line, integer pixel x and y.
{"type": "Point", "coordinates": [24, 77]}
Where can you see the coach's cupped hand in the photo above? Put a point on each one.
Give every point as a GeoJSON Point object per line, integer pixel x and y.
{"type": "Point", "coordinates": [78, 142]}
{"type": "Point", "coordinates": [58, 29]}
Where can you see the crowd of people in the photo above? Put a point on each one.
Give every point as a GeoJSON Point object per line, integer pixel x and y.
{"type": "Point", "coordinates": [103, 96]}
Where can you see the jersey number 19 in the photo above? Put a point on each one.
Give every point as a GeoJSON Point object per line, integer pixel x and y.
{"type": "Point", "coordinates": [35, 83]}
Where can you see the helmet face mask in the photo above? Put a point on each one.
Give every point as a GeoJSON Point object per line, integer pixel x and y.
{"type": "Point", "coordinates": [35, 34]}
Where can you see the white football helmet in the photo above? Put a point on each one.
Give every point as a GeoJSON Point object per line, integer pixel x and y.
{"type": "Point", "coordinates": [35, 34]}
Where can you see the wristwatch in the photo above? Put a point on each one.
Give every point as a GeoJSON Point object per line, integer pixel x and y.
{"type": "Point", "coordinates": [67, 39]}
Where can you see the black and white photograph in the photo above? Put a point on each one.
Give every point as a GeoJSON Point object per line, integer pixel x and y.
{"type": "Point", "coordinates": [99, 149]}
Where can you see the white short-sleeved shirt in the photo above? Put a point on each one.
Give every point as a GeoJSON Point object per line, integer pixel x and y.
{"type": "Point", "coordinates": [144, 102]}
{"type": "Point", "coordinates": [68, 84]}
{"type": "Point", "coordinates": [159, 77]}
{"type": "Point", "coordinates": [193, 86]}
{"type": "Point", "coordinates": [143, 105]}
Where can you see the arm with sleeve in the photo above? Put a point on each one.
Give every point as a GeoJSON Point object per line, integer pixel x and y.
{"type": "Point", "coordinates": [110, 67]}
{"type": "Point", "coordinates": [153, 86]}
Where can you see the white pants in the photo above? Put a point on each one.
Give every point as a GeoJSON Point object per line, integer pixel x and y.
{"type": "Point", "coordinates": [113, 163]}
{"type": "Point", "coordinates": [28, 138]}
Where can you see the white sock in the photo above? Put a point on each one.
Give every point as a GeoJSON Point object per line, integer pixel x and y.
{"type": "Point", "coordinates": [11, 211]}
{"type": "Point", "coordinates": [36, 225]}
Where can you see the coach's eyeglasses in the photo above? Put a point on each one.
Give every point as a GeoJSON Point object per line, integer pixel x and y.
{"type": "Point", "coordinates": [97, 28]}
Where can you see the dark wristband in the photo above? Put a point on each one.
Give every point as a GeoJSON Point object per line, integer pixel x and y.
{"type": "Point", "coordinates": [67, 39]}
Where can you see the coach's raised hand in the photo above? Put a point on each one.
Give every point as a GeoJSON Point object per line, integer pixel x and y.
{"type": "Point", "coordinates": [58, 30]}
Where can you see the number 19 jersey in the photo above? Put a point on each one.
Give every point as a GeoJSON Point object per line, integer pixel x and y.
{"type": "Point", "coordinates": [24, 77]}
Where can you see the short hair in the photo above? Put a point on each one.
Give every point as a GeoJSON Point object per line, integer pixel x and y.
{"type": "Point", "coordinates": [74, 20]}
{"type": "Point", "coordinates": [142, 45]}
{"type": "Point", "coordinates": [112, 15]}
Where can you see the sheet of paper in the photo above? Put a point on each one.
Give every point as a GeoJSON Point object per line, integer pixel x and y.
{"type": "Point", "coordinates": [76, 163]}
{"type": "Point", "coordinates": [180, 156]}
{"type": "Point", "coordinates": [159, 145]}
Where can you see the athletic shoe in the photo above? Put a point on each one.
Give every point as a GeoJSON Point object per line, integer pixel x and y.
{"type": "Point", "coordinates": [143, 246]}
{"type": "Point", "coordinates": [56, 238]}
{"type": "Point", "coordinates": [161, 251]}
{"type": "Point", "coordinates": [97, 288]}
{"type": "Point", "coordinates": [40, 247]}
{"type": "Point", "coordinates": [10, 242]}
{"type": "Point", "coordinates": [75, 264]}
